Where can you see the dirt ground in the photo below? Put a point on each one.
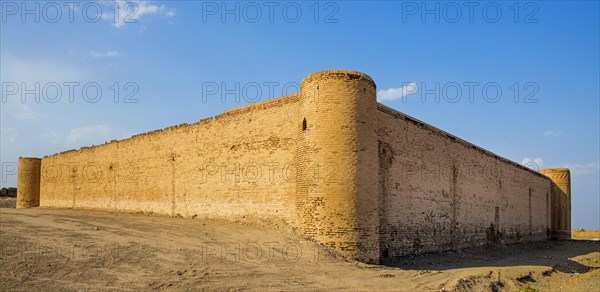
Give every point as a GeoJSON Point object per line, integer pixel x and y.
{"type": "Point", "coordinates": [52, 250]}
{"type": "Point", "coordinates": [586, 234]}
{"type": "Point", "coordinates": [8, 202]}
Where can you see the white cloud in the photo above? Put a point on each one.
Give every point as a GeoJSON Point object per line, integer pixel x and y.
{"type": "Point", "coordinates": [132, 12]}
{"type": "Point", "coordinates": [397, 93]}
{"type": "Point", "coordinates": [105, 54]}
{"type": "Point", "coordinates": [30, 76]}
{"type": "Point", "coordinates": [36, 70]}
{"type": "Point", "coordinates": [80, 136]}
{"type": "Point", "coordinates": [552, 133]}
{"type": "Point", "coordinates": [533, 163]}
{"type": "Point", "coordinates": [582, 169]}
{"type": "Point", "coordinates": [24, 112]}
{"type": "Point", "coordinates": [53, 137]}
{"type": "Point", "coordinates": [9, 133]}
{"type": "Point", "coordinates": [88, 135]}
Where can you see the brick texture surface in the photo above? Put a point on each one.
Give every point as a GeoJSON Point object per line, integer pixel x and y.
{"type": "Point", "coordinates": [369, 182]}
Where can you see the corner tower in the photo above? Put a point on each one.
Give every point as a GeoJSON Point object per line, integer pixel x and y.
{"type": "Point", "coordinates": [336, 163]}
{"type": "Point", "coordinates": [28, 182]}
{"type": "Point", "coordinates": [561, 201]}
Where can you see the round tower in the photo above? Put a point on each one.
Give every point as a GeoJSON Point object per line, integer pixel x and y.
{"type": "Point", "coordinates": [336, 162]}
{"type": "Point", "coordinates": [28, 182]}
{"type": "Point", "coordinates": [561, 201]}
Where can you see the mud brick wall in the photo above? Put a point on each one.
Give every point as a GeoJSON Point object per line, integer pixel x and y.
{"type": "Point", "coordinates": [233, 165]}
{"type": "Point", "coordinates": [439, 192]}
{"type": "Point", "coordinates": [561, 201]}
{"type": "Point", "coordinates": [28, 188]}
{"type": "Point", "coordinates": [340, 208]}
{"type": "Point", "coordinates": [371, 183]}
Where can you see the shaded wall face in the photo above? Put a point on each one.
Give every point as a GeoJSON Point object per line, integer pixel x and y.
{"type": "Point", "coordinates": [561, 212]}
{"type": "Point", "coordinates": [561, 201]}
{"type": "Point", "coordinates": [438, 194]}
{"type": "Point", "coordinates": [238, 164]}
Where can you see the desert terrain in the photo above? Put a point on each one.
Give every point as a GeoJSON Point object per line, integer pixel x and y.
{"type": "Point", "coordinates": [585, 234]}
{"type": "Point", "coordinates": [55, 249]}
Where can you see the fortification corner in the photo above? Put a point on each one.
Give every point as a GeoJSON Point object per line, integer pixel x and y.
{"type": "Point", "coordinates": [336, 133]}
{"type": "Point", "coordinates": [561, 202]}
{"type": "Point", "coordinates": [28, 182]}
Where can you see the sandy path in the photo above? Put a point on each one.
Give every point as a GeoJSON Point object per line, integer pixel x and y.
{"type": "Point", "coordinates": [49, 249]}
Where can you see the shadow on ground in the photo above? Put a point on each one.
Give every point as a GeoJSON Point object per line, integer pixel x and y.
{"type": "Point", "coordinates": [556, 254]}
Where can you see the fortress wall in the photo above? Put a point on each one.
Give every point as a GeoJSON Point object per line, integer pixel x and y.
{"type": "Point", "coordinates": [235, 164]}
{"type": "Point", "coordinates": [367, 181]}
{"type": "Point", "coordinates": [438, 192]}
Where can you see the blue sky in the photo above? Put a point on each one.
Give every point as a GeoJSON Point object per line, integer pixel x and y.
{"type": "Point", "coordinates": [520, 79]}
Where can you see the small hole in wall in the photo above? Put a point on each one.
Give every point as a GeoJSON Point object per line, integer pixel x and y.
{"type": "Point", "coordinates": [304, 124]}
{"type": "Point", "coordinates": [385, 253]}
